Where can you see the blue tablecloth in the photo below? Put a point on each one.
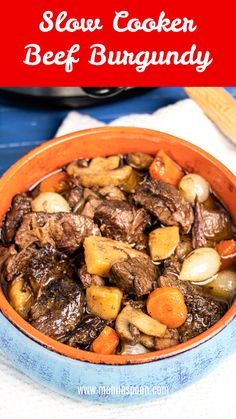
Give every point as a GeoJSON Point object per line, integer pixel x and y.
{"type": "Point", "coordinates": [23, 128]}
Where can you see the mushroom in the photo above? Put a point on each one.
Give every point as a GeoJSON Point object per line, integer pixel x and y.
{"type": "Point", "coordinates": [102, 171]}
{"type": "Point", "coordinates": [147, 341]}
{"type": "Point", "coordinates": [170, 338]}
{"type": "Point", "coordinates": [112, 193]}
{"type": "Point", "coordinates": [105, 163]}
{"type": "Point", "coordinates": [139, 161]}
{"type": "Point", "coordinates": [129, 317]}
{"type": "Point", "coordinates": [91, 176]}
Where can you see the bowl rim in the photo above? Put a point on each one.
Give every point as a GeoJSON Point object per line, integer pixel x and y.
{"type": "Point", "coordinates": [86, 356]}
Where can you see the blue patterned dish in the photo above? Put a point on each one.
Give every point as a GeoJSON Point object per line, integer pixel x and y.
{"type": "Point", "coordinates": [113, 378]}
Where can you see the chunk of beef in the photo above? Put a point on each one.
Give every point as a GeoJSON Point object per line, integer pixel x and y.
{"type": "Point", "coordinates": [137, 304]}
{"type": "Point", "coordinates": [203, 309]}
{"type": "Point", "coordinates": [20, 206]}
{"type": "Point", "coordinates": [16, 263]}
{"type": "Point", "coordinates": [64, 231]}
{"type": "Point", "coordinates": [209, 225]}
{"type": "Point", "coordinates": [90, 206]}
{"type": "Point", "coordinates": [4, 254]}
{"type": "Point", "coordinates": [165, 202]}
{"type": "Point", "coordinates": [171, 338]}
{"type": "Point", "coordinates": [142, 244]}
{"type": "Point", "coordinates": [88, 329]}
{"type": "Point", "coordinates": [58, 308]}
{"type": "Point", "coordinates": [38, 267]}
{"type": "Point", "coordinates": [135, 276]}
{"type": "Point", "coordinates": [184, 248]}
{"type": "Point", "coordinates": [172, 267]}
{"type": "Point", "coordinates": [120, 220]}
{"type": "Point", "coordinates": [73, 195]}
{"type": "Point", "coordinates": [47, 265]}
{"type": "Point", "coordinates": [88, 279]}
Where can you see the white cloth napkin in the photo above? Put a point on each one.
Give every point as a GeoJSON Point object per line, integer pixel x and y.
{"type": "Point", "coordinates": [212, 397]}
{"type": "Point", "coordinates": [185, 119]}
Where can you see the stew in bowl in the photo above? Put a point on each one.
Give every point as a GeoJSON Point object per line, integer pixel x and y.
{"type": "Point", "coordinates": [120, 254]}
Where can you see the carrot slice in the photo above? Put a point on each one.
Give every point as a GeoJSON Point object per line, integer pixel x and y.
{"type": "Point", "coordinates": [165, 169]}
{"type": "Point", "coordinates": [167, 305]}
{"type": "Point", "coordinates": [54, 183]}
{"type": "Point", "coordinates": [227, 252]}
{"type": "Point", "coordinates": [106, 342]}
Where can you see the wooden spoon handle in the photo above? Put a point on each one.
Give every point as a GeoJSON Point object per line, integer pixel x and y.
{"type": "Point", "coordinates": [218, 105]}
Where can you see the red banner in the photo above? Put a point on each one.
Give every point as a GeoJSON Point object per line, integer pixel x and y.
{"type": "Point", "coordinates": [117, 43]}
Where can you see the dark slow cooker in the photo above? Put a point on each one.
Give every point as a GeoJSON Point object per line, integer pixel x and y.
{"type": "Point", "coordinates": [68, 96]}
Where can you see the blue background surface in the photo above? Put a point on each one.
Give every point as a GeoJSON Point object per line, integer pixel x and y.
{"type": "Point", "coordinates": [23, 128]}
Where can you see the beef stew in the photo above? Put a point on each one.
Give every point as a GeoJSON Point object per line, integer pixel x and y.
{"type": "Point", "coordinates": [115, 251]}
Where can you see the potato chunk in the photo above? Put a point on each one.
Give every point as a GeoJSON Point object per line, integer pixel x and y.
{"type": "Point", "coordinates": [163, 242]}
{"type": "Point", "coordinates": [104, 302]}
{"type": "Point", "coordinates": [21, 297]}
{"type": "Point", "coordinates": [101, 253]}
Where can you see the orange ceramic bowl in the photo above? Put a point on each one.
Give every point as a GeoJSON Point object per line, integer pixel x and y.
{"type": "Point", "coordinates": [102, 142]}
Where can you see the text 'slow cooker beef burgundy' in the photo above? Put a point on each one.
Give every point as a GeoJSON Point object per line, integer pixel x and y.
{"type": "Point", "coordinates": [119, 255]}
